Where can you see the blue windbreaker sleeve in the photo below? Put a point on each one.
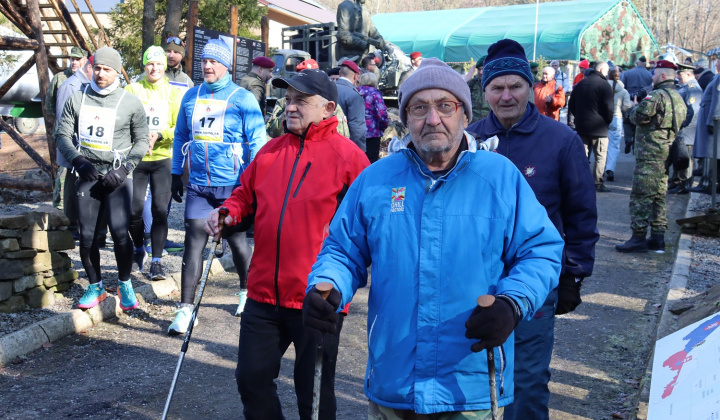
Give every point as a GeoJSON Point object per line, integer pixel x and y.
{"type": "Point", "coordinates": [253, 123]}
{"type": "Point", "coordinates": [533, 250]}
{"type": "Point", "coordinates": [345, 255]}
{"type": "Point", "coordinates": [182, 130]}
{"type": "Point", "coordinates": [579, 211]}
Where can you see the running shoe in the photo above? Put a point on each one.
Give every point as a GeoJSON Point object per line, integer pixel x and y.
{"type": "Point", "coordinates": [182, 320]}
{"type": "Point", "coordinates": [171, 246]}
{"type": "Point", "coordinates": [241, 305]}
{"type": "Point", "coordinates": [156, 271]}
{"type": "Point", "coordinates": [94, 294]}
{"type": "Point", "coordinates": [138, 261]}
{"type": "Point", "coordinates": [127, 295]}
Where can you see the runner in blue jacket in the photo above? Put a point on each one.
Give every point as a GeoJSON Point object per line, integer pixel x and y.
{"type": "Point", "coordinates": [219, 130]}
{"type": "Point", "coordinates": [441, 223]}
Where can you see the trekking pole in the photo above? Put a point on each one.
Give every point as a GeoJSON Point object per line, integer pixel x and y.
{"type": "Point", "coordinates": [486, 301]}
{"type": "Point", "coordinates": [217, 239]}
{"type": "Point", "coordinates": [324, 288]}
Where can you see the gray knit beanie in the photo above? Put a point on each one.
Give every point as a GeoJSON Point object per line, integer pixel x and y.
{"type": "Point", "coordinates": [108, 57]}
{"type": "Point", "coordinates": [434, 74]}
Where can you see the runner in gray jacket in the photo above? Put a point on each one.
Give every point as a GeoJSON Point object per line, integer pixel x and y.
{"type": "Point", "coordinates": [112, 136]}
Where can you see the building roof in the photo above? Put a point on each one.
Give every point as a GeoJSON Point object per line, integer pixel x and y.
{"type": "Point", "coordinates": [308, 9]}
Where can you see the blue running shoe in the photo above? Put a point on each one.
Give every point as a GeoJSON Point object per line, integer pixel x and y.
{"type": "Point", "coordinates": [94, 294]}
{"type": "Point", "coordinates": [127, 295]}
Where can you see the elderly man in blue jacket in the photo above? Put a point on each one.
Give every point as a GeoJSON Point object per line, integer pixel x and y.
{"type": "Point", "coordinates": [441, 223]}
{"type": "Point", "coordinates": [551, 158]}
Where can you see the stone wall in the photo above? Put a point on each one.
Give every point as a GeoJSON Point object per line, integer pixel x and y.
{"type": "Point", "coordinates": [32, 268]}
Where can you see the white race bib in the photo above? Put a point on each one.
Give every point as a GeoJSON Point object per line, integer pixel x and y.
{"type": "Point", "coordinates": [96, 127]}
{"type": "Point", "coordinates": [208, 120]}
{"type": "Point", "coordinates": [157, 116]}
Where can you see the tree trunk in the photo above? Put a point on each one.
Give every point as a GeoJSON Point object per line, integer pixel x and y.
{"type": "Point", "coordinates": [148, 24]}
{"type": "Point", "coordinates": [172, 19]}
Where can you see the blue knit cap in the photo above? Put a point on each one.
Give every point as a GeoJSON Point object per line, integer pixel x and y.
{"type": "Point", "coordinates": [219, 51]}
{"type": "Point", "coordinates": [506, 57]}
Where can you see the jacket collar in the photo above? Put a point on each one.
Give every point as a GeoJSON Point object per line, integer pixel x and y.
{"type": "Point", "coordinates": [594, 73]}
{"type": "Point", "coordinates": [527, 124]}
{"type": "Point", "coordinates": [317, 132]}
{"type": "Point", "coordinates": [468, 146]}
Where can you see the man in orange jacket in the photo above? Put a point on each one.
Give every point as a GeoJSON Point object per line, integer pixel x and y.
{"type": "Point", "coordinates": [549, 95]}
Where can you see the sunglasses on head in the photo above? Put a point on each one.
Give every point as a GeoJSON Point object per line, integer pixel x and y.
{"type": "Point", "coordinates": [175, 40]}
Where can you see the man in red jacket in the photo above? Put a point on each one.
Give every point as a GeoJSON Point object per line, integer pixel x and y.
{"type": "Point", "coordinates": [293, 188]}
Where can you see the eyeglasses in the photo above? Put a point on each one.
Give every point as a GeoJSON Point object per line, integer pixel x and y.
{"type": "Point", "coordinates": [444, 109]}
{"type": "Point", "coordinates": [175, 40]}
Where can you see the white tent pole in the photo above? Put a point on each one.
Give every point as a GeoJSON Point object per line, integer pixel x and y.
{"type": "Point", "coordinates": [537, 9]}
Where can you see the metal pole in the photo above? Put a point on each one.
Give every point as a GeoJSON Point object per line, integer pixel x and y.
{"type": "Point", "coordinates": [537, 10]}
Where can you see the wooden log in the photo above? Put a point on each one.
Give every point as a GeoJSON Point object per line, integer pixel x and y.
{"type": "Point", "coordinates": [43, 80]}
{"type": "Point", "coordinates": [18, 44]}
{"type": "Point", "coordinates": [233, 24]}
{"type": "Point", "coordinates": [104, 35]}
{"type": "Point", "coordinates": [10, 11]}
{"type": "Point", "coordinates": [711, 217]}
{"type": "Point", "coordinates": [16, 76]}
{"type": "Point", "coordinates": [26, 147]}
{"type": "Point", "coordinates": [192, 21]}
{"type": "Point", "coordinates": [26, 184]}
{"type": "Point", "coordinates": [85, 24]}
{"type": "Point", "coordinates": [265, 32]}
{"type": "Point", "coordinates": [74, 32]}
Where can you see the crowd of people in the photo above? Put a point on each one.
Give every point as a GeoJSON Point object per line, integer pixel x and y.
{"type": "Point", "coordinates": [435, 225]}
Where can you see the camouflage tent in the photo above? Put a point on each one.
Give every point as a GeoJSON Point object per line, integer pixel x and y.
{"type": "Point", "coordinates": [567, 30]}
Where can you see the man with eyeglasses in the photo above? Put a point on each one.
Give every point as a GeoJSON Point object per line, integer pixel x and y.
{"type": "Point", "coordinates": [219, 130]}
{"type": "Point", "coordinates": [175, 52]}
{"type": "Point", "coordinates": [292, 189]}
{"type": "Point", "coordinates": [552, 159]}
{"type": "Point", "coordinates": [440, 223]}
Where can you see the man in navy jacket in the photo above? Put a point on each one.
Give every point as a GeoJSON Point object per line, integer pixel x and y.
{"type": "Point", "coordinates": [352, 102]}
{"type": "Point", "coordinates": [552, 158]}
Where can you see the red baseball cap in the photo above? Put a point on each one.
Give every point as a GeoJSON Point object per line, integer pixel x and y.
{"type": "Point", "coordinates": [307, 64]}
{"type": "Point", "coordinates": [415, 55]}
{"type": "Point", "coordinates": [263, 62]}
{"type": "Point", "coordinates": [354, 67]}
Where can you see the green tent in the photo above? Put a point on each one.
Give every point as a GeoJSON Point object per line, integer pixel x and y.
{"type": "Point", "coordinates": [567, 30]}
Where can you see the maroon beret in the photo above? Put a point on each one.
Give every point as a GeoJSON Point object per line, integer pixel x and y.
{"type": "Point", "coordinates": [415, 55]}
{"type": "Point", "coordinates": [354, 67]}
{"type": "Point", "coordinates": [665, 64]}
{"type": "Point", "coordinates": [264, 62]}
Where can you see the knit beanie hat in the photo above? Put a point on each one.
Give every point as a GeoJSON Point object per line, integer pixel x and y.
{"type": "Point", "coordinates": [506, 57]}
{"type": "Point", "coordinates": [434, 74]}
{"type": "Point", "coordinates": [156, 54]}
{"type": "Point", "coordinates": [219, 51]}
{"type": "Point", "coordinates": [177, 48]}
{"type": "Point", "coordinates": [108, 57]}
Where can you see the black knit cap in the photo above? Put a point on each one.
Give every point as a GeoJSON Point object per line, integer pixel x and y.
{"type": "Point", "coordinates": [505, 57]}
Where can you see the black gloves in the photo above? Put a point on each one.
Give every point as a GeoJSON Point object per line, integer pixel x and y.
{"type": "Point", "coordinates": [177, 188]}
{"type": "Point", "coordinates": [319, 315]}
{"type": "Point", "coordinates": [492, 325]}
{"type": "Point", "coordinates": [85, 169]}
{"type": "Point", "coordinates": [628, 146]}
{"type": "Point", "coordinates": [568, 294]}
{"type": "Point", "coordinates": [711, 129]}
{"type": "Point", "coordinates": [115, 177]}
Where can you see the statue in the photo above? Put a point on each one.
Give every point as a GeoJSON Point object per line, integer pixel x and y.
{"type": "Point", "coordinates": [356, 31]}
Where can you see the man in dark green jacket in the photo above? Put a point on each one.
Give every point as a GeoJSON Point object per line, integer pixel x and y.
{"type": "Point", "coordinates": [261, 72]}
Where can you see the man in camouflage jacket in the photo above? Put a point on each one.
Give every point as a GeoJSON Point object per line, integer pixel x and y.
{"type": "Point", "coordinates": [480, 107]}
{"type": "Point", "coordinates": [658, 119]}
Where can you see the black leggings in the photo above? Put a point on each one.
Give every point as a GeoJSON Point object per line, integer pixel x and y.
{"type": "Point", "coordinates": [195, 241]}
{"type": "Point", "coordinates": [158, 172]}
{"type": "Point", "coordinates": [372, 149]}
{"type": "Point", "coordinates": [95, 208]}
